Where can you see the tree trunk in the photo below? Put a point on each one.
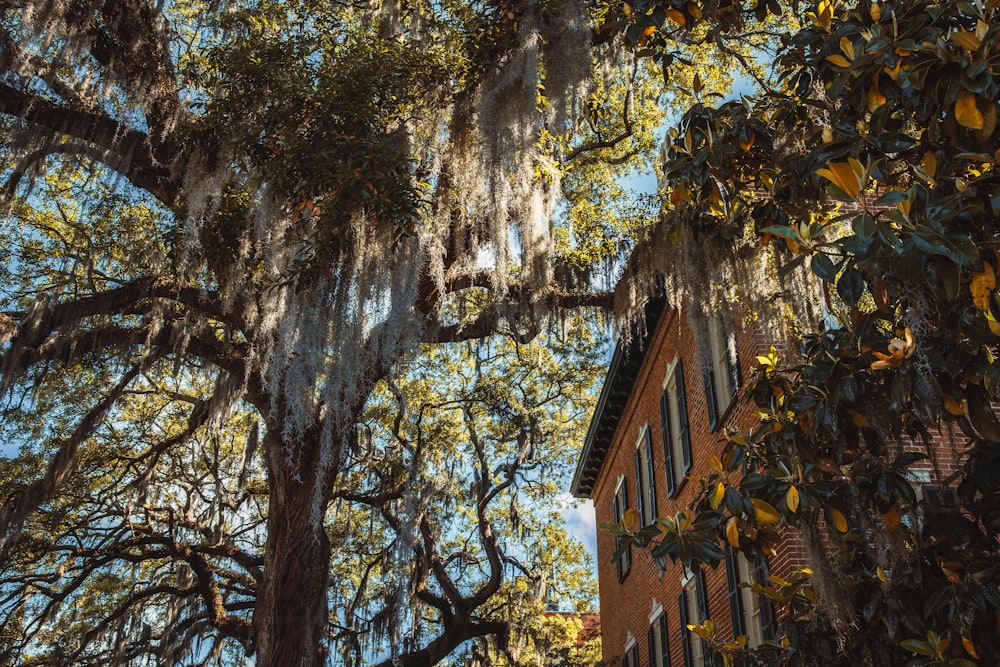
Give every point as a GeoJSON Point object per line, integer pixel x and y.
{"type": "Point", "coordinates": [290, 617]}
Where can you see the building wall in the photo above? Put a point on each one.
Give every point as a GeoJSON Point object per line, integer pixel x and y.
{"type": "Point", "coordinates": [626, 606]}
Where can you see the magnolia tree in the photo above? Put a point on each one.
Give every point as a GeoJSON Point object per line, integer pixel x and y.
{"type": "Point", "coordinates": [225, 228]}
{"type": "Point", "coordinates": [861, 194]}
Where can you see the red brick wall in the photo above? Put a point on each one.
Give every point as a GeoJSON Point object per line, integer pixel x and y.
{"type": "Point", "coordinates": [626, 605]}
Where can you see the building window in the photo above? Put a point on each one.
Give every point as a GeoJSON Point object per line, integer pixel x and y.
{"type": "Point", "coordinates": [631, 658]}
{"type": "Point", "coordinates": [674, 423]}
{"type": "Point", "coordinates": [659, 647]}
{"type": "Point", "coordinates": [620, 506]}
{"type": "Point", "coordinates": [721, 370]}
{"type": "Point", "coordinates": [645, 481]}
{"type": "Point", "coordinates": [692, 603]}
{"type": "Point", "coordinates": [752, 615]}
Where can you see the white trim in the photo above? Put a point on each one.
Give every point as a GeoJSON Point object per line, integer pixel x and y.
{"type": "Point", "coordinates": [618, 484]}
{"type": "Point", "coordinates": [642, 432]}
{"type": "Point", "coordinates": [629, 641]}
{"type": "Point", "coordinates": [671, 369]}
{"type": "Point", "coordinates": [656, 612]}
{"type": "Point", "coordinates": [687, 574]}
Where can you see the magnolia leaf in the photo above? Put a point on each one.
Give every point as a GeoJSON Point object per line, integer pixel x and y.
{"type": "Point", "coordinates": [989, 111]}
{"type": "Point", "coordinates": [842, 175]}
{"type": "Point", "coordinates": [792, 499]}
{"type": "Point", "coordinates": [967, 112]}
{"type": "Point", "coordinates": [892, 517]}
{"type": "Point", "coordinates": [718, 493]}
{"type": "Point", "coordinates": [631, 520]}
{"type": "Point", "coordinates": [917, 646]}
{"type": "Point", "coordinates": [839, 520]}
{"type": "Point", "coordinates": [733, 532]}
{"type": "Point", "coordinates": [967, 40]}
{"type": "Point", "coordinates": [838, 60]}
{"type": "Point", "coordinates": [929, 163]}
{"type": "Point", "coordinates": [676, 17]}
{"type": "Point", "coordinates": [847, 48]}
{"type": "Point", "coordinates": [874, 99]}
{"type": "Point", "coordinates": [970, 648]}
{"type": "Point", "coordinates": [980, 285]}
{"type": "Point", "coordinates": [764, 512]}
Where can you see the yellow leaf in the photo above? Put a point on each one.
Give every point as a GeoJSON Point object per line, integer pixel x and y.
{"type": "Point", "coordinates": [764, 512]}
{"type": "Point", "coordinates": [647, 31]}
{"type": "Point", "coordinates": [847, 48]}
{"type": "Point", "coordinates": [874, 98]}
{"type": "Point", "coordinates": [718, 493]}
{"type": "Point", "coordinates": [892, 517]}
{"type": "Point", "coordinates": [929, 163]}
{"type": "Point", "coordinates": [839, 520]}
{"type": "Point", "coordinates": [676, 17]}
{"type": "Point", "coordinates": [858, 418]}
{"type": "Point", "coordinates": [980, 285]}
{"type": "Point", "coordinates": [880, 573]}
{"type": "Point", "coordinates": [747, 144]}
{"type": "Point", "coordinates": [792, 498]}
{"type": "Point", "coordinates": [967, 113]}
{"type": "Point", "coordinates": [970, 648]}
{"type": "Point", "coordinates": [714, 461]}
{"type": "Point", "coordinates": [967, 40]}
{"type": "Point", "coordinates": [627, 8]}
{"type": "Point", "coordinates": [875, 11]}
{"type": "Point", "coordinates": [733, 532]}
{"type": "Point", "coordinates": [838, 60]}
{"type": "Point", "coordinates": [953, 406]}
{"type": "Point", "coordinates": [631, 520]}
{"type": "Point", "coordinates": [824, 12]}
{"type": "Point", "coordinates": [694, 10]}
{"type": "Point", "coordinates": [842, 175]}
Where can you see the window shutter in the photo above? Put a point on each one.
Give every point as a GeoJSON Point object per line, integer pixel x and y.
{"type": "Point", "coordinates": [682, 411]}
{"type": "Point", "coordinates": [685, 634]}
{"type": "Point", "coordinates": [668, 449]}
{"type": "Point", "coordinates": [713, 413]}
{"type": "Point", "coordinates": [650, 476]}
{"type": "Point", "coordinates": [651, 643]}
{"type": "Point", "coordinates": [640, 489]}
{"type": "Point", "coordinates": [700, 590]}
{"type": "Point", "coordinates": [768, 622]}
{"type": "Point", "coordinates": [736, 611]}
{"type": "Point", "coordinates": [634, 654]}
{"type": "Point", "coordinates": [664, 641]}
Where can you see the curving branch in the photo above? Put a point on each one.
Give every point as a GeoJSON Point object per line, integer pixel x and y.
{"type": "Point", "coordinates": [133, 154]}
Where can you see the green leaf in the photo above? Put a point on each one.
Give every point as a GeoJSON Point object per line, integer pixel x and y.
{"type": "Point", "coordinates": [917, 646]}
{"type": "Point", "coordinates": [851, 286]}
{"type": "Point", "coordinates": [823, 267]}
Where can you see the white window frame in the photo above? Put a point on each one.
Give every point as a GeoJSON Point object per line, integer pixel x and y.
{"type": "Point", "coordinates": [678, 468]}
{"type": "Point", "coordinates": [645, 483]}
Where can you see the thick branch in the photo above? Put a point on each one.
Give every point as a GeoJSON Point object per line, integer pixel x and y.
{"type": "Point", "coordinates": [129, 152]}
{"type": "Point", "coordinates": [448, 641]}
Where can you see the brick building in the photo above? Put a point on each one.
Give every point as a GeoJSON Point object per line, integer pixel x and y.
{"type": "Point", "coordinates": [667, 397]}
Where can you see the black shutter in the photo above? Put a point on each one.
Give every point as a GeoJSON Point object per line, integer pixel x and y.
{"type": "Point", "coordinates": [713, 413]}
{"type": "Point", "coordinates": [664, 641]}
{"type": "Point", "coordinates": [768, 623]}
{"type": "Point", "coordinates": [617, 512]}
{"type": "Point", "coordinates": [634, 653]}
{"type": "Point", "coordinates": [699, 587]}
{"type": "Point", "coordinates": [736, 611]}
{"type": "Point", "coordinates": [685, 634]}
{"type": "Point", "coordinates": [682, 411]}
{"type": "Point", "coordinates": [640, 488]}
{"type": "Point", "coordinates": [627, 556]}
{"type": "Point", "coordinates": [668, 445]}
{"type": "Point", "coordinates": [650, 476]}
{"type": "Point", "coordinates": [651, 643]}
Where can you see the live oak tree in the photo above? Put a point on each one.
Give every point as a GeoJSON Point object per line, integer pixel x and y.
{"type": "Point", "coordinates": [856, 201]}
{"type": "Point", "coordinates": [224, 226]}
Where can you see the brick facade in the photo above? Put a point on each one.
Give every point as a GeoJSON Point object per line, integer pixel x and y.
{"type": "Point", "coordinates": [629, 606]}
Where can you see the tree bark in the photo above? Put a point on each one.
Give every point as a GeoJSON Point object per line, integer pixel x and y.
{"type": "Point", "coordinates": [290, 617]}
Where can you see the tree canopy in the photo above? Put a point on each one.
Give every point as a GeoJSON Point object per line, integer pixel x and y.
{"type": "Point", "coordinates": [860, 192]}
{"type": "Point", "coordinates": [227, 231]}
